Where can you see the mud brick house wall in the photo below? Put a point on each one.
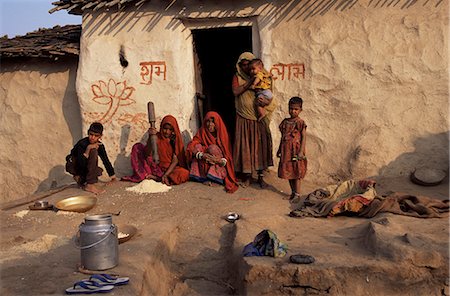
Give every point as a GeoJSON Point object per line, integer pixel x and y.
{"type": "Point", "coordinates": [373, 74]}
{"type": "Point", "coordinates": [39, 111]}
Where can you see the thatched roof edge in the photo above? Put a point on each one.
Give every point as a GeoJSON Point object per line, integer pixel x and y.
{"type": "Point", "coordinates": [77, 7]}
{"type": "Point", "coordinates": [43, 43]}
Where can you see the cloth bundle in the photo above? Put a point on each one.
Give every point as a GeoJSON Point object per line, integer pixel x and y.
{"type": "Point", "coordinates": [265, 243]}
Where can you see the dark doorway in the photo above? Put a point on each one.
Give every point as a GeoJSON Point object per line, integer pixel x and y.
{"type": "Point", "coordinates": [218, 50]}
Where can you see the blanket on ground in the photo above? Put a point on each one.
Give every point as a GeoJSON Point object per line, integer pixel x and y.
{"type": "Point", "coordinates": [359, 198]}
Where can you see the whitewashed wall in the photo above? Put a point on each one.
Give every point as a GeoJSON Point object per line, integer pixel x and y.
{"type": "Point", "coordinates": [375, 80]}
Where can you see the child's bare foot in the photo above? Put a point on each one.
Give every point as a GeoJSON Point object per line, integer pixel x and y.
{"type": "Point", "coordinates": [77, 179]}
{"type": "Point", "coordinates": [92, 188]}
{"type": "Point", "coordinates": [295, 197]}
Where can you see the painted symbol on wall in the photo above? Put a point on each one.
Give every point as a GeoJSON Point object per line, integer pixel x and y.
{"type": "Point", "coordinates": [112, 94]}
{"type": "Point", "coordinates": [288, 71]}
{"type": "Point", "coordinates": [139, 121]}
{"type": "Point", "coordinates": [149, 68]}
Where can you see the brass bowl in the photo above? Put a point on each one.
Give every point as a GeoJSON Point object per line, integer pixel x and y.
{"type": "Point", "coordinates": [81, 204]}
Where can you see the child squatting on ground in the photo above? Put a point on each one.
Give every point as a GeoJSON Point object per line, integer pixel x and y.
{"type": "Point", "coordinates": [82, 162]}
{"type": "Point", "coordinates": [291, 152]}
{"type": "Point", "coordinates": [262, 85]}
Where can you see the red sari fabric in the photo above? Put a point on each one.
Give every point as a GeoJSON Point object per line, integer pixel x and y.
{"type": "Point", "coordinates": [201, 171]}
{"type": "Point", "coordinates": [206, 139]}
{"type": "Point", "coordinates": [291, 141]}
{"type": "Point", "coordinates": [178, 148]}
{"type": "Point", "coordinates": [145, 165]}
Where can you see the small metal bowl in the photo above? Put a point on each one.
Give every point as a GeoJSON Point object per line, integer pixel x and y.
{"type": "Point", "coordinates": [232, 217]}
{"type": "Point", "coordinates": [128, 230]}
{"type": "Point", "coordinates": [41, 204]}
{"type": "Point", "coordinates": [79, 204]}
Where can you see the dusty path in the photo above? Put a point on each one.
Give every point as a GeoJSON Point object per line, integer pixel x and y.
{"type": "Point", "coordinates": [185, 247]}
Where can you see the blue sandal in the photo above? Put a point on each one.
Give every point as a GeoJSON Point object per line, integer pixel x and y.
{"type": "Point", "coordinates": [88, 287]}
{"type": "Point", "coordinates": [106, 279]}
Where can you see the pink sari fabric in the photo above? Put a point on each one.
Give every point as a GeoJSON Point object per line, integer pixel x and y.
{"type": "Point", "coordinates": [142, 166]}
{"type": "Point", "coordinates": [202, 171]}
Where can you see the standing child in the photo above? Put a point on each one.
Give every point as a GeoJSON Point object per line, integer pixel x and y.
{"type": "Point", "coordinates": [291, 152]}
{"type": "Point", "coordinates": [82, 162]}
{"type": "Point", "coordinates": [262, 85]}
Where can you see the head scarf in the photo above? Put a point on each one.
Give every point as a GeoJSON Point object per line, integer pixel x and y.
{"type": "Point", "coordinates": [244, 56]}
{"type": "Point", "coordinates": [179, 145]}
{"type": "Point", "coordinates": [205, 138]}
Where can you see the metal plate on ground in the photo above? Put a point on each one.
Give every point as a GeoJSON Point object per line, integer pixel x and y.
{"type": "Point", "coordinates": [81, 204]}
{"type": "Point", "coordinates": [428, 176]}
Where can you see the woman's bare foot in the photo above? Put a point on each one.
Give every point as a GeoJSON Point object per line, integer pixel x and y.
{"type": "Point", "coordinates": [262, 183]}
{"type": "Point", "coordinates": [210, 183]}
{"type": "Point", "coordinates": [153, 177]}
{"type": "Point", "coordinates": [92, 188]}
{"type": "Point", "coordinates": [245, 183]}
{"type": "Point", "coordinates": [245, 180]}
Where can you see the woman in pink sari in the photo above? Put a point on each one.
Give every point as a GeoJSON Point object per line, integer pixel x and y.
{"type": "Point", "coordinates": [171, 169]}
{"type": "Point", "coordinates": [210, 154]}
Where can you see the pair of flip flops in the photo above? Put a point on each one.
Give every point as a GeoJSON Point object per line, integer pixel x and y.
{"type": "Point", "coordinates": [97, 283]}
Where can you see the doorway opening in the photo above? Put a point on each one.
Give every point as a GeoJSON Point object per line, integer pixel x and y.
{"type": "Point", "coordinates": [217, 51]}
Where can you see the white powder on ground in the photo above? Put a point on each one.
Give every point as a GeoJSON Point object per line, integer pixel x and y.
{"type": "Point", "coordinates": [21, 214]}
{"type": "Point", "coordinates": [149, 186]}
{"type": "Point", "coordinates": [68, 213]}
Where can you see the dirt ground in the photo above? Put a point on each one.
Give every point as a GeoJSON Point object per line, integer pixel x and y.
{"type": "Point", "coordinates": [185, 247]}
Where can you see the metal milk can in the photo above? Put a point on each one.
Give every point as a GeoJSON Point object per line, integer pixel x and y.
{"type": "Point", "coordinates": [99, 242]}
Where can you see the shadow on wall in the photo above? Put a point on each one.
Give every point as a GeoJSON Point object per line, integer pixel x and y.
{"type": "Point", "coordinates": [431, 151]}
{"type": "Point", "coordinates": [71, 107]}
{"type": "Point", "coordinates": [122, 165]}
{"type": "Point", "coordinates": [271, 14]}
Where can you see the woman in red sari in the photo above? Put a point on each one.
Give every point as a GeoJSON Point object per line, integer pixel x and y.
{"type": "Point", "coordinates": [171, 169]}
{"type": "Point", "coordinates": [210, 154]}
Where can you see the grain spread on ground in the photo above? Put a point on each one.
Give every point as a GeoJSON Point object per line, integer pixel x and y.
{"type": "Point", "coordinates": [68, 213]}
{"type": "Point", "coordinates": [149, 186]}
{"type": "Point", "coordinates": [42, 244]}
{"type": "Point", "coordinates": [21, 214]}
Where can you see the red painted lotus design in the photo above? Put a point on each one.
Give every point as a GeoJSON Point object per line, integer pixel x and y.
{"type": "Point", "coordinates": [114, 95]}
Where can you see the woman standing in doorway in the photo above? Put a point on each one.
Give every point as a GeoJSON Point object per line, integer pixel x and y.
{"type": "Point", "coordinates": [253, 140]}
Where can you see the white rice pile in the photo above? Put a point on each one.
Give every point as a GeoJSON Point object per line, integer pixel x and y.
{"type": "Point", "coordinates": [149, 186]}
